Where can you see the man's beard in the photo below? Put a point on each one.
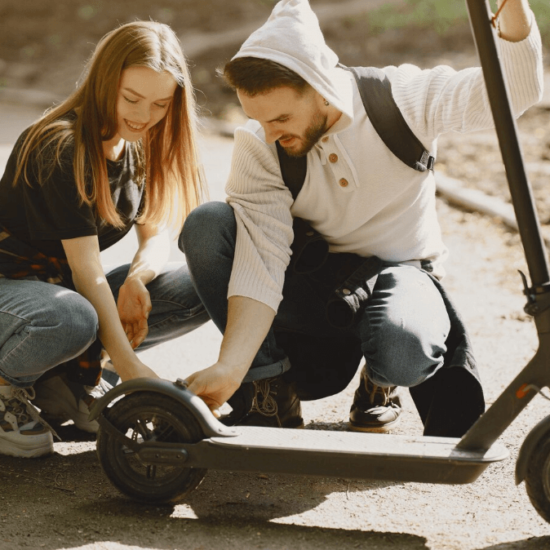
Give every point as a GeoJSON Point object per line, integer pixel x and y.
{"type": "Point", "coordinates": [312, 135]}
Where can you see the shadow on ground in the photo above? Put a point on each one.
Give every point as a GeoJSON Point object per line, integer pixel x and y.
{"type": "Point", "coordinates": [534, 543]}
{"type": "Point", "coordinates": [65, 501]}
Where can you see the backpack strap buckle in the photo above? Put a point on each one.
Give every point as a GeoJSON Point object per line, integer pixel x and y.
{"type": "Point", "coordinates": [426, 162]}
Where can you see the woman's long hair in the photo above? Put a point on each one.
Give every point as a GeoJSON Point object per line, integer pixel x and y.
{"type": "Point", "coordinates": [167, 158]}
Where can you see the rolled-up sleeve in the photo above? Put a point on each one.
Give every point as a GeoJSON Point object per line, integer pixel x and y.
{"type": "Point", "coordinates": [442, 99]}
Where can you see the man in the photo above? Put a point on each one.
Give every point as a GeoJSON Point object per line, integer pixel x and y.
{"type": "Point", "coordinates": [365, 203]}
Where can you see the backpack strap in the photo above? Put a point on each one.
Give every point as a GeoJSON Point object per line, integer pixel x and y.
{"type": "Point", "coordinates": [293, 170]}
{"type": "Point", "coordinates": [384, 114]}
{"type": "Point", "coordinates": [386, 118]}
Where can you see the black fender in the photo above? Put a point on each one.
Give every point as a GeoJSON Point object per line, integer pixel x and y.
{"type": "Point", "coordinates": [539, 432]}
{"type": "Point", "coordinates": [178, 391]}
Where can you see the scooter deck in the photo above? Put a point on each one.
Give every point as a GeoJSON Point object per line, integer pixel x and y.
{"type": "Point", "coordinates": [341, 454]}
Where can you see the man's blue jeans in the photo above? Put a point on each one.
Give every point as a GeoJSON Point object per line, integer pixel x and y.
{"type": "Point", "coordinates": [43, 325]}
{"type": "Point", "coordinates": [402, 329]}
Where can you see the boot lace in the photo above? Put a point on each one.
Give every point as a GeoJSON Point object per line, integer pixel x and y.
{"type": "Point", "coordinates": [266, 405]}
{"type": "Point", "coordinates": [377, 391]}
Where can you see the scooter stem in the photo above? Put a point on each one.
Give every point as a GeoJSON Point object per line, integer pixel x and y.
{"type": "Point", "coordinates": [520, 189]}
{"type": "Point", "coordinates": [536, 374]}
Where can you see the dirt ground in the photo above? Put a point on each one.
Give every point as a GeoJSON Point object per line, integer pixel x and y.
{"type": "Point", "coordinates": [65, 501]}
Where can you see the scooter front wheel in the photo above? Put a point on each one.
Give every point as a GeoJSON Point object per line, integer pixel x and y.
{"type": "Point", "coordinates": [148, 417]}
{"type": "Point", "coordinates": [537, 480]}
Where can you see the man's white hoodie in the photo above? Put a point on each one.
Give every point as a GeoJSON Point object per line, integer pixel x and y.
{"type": "Point", "coordinates": [366, 201]}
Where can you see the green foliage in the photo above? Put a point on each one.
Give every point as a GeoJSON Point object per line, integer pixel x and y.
{"type": "Point", "coordinates": [541, 9]}
{"type": "Point", "coordinates": [436, 14]}
{"type": "Point", "coordinates": [442, 15]}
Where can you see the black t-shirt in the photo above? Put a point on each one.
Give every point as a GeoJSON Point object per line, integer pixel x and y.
{"type": "Point", "coordinates": [43, 215]}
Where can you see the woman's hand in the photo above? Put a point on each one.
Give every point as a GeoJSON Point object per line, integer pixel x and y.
{"type": "Point", "coordinates": [134, 305]}
{"type": "Point", "coordinates": [215, 385]}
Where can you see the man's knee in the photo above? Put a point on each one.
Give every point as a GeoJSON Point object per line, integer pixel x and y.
{"type": "Point", "coordinates": [403, 358]}
{"type": "Point", "coordinates": [205, 226]}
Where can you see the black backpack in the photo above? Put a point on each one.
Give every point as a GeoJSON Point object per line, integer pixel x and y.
{"type": "Point", "coordinates": [385, 116]}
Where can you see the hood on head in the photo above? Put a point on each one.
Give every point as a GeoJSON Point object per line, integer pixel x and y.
{"type": "Point", "coordinates": [292, 37]}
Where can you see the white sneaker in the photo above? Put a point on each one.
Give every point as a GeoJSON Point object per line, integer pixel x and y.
{"type": "Point", "coordinates": [60, 400]}
{"type": "Point", "coordinates": [22, 431]}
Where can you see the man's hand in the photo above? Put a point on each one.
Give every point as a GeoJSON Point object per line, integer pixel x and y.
{"type": "Point", "coordinates": [215, 385]}
{"type": "Point", "coordinates": [134, 305]}
{"type": "Point", "coordinates": [514, 20]}
{"type": "Point", "coordinates": [248, 322]}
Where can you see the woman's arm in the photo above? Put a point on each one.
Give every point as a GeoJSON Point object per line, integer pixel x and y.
{"type": "Point", "coordinates": [152, 254]}
{"type": "Point", "coordinates": [90, 281]}
{"type": "Point", "coordinates": [134, 303]}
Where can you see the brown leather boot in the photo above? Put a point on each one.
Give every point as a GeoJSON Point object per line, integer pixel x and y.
{"type": "Point", "coordinates": [275, 405]}
{"type": "Point", "coordinates": [374, 408]}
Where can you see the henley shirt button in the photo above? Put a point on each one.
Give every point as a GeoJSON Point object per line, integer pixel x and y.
{"type": "Point", "coordinates": [333, 157]}
{"type": "Point", "coordinates": [343, 182]}
{"type": "Point", "coordinates": [346, 291]}
{"type": "Point", "coordinates": [325, 139]}
{"type": "Point", "coordinates": [310, 234]}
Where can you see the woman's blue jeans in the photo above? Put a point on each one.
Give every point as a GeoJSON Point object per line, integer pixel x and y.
{"type": "Point", "coordinates": [43, 325]}
{"type": "Point", "coordinates": [402, 329]}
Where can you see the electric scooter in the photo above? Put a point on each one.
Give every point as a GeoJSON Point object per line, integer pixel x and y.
{"type": "Point", "coordinates": [157, 440]}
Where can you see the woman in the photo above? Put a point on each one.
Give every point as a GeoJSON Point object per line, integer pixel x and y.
{"type": "Point", "coordinates": [119, 152]}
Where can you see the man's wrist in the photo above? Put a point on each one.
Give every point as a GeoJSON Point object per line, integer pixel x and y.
{"type": "Point", "coordinates": [236, 370]}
